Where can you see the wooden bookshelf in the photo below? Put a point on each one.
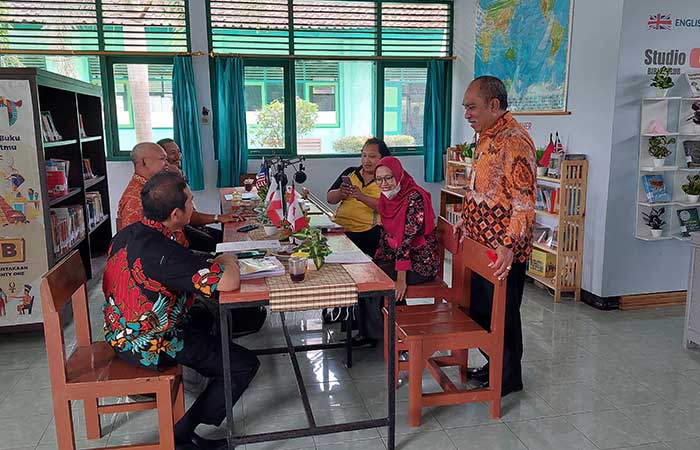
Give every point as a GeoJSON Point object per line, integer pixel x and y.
{"type": "Point", "coordinates": [27, 218]}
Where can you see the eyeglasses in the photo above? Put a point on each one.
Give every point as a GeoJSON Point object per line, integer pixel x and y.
{"type": "Point", "coordinates": [386, 179]}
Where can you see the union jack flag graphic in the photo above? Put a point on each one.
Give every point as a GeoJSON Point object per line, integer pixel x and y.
{"type": "Point", "coordinates": [660, 22]}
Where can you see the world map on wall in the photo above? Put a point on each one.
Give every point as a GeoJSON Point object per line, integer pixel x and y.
{"type": "Point", "coordinates": [525, 43]}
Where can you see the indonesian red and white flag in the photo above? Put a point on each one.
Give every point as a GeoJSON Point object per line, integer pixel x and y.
{"type": "Point", "coordinates": [274, 211]}
{"type": "Point", "coordinates": [295, 215]}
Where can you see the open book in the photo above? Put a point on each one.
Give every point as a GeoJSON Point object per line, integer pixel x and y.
{"type": "Point", "coordinates": [268, 266]}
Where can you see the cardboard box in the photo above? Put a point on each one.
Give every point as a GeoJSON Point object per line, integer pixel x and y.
{"type": "Point", "coordinates": [542, 263]}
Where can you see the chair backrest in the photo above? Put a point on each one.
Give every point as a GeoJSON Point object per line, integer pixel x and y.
{"type": "Point", "coordinates": [64, 284]}
{"type": "Point", "coordinates": [246, 176]}
{"type": "Point", "coordinates": [447, 241]}
{"type": "Point", "coordinates": [474, 259]}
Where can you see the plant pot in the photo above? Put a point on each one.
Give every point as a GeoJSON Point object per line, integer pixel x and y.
{"type": "Point", "coordinates": [658, 162]}
{"type": "Point", "coordinates": [270, 230]}
{"type": "Point", "coordinates": [662, 93]}
{"type": "Point", "coordinates": [656, 233]}
{"type": "Point", "coordinates": [542, 171]}
{"type": "Point", "coordinates": [693, 198]}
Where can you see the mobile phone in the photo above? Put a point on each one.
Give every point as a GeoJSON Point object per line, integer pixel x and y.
{"type": "Point", "coordinates": [346, 180]}
{"type": "Point", "coordinates": [492, 256]}
{"type": "Point", "coordinates": [246, 228]}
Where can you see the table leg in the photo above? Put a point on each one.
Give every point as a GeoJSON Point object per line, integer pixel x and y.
{"type": "Point", "coordinates": [348, 337]}
{"type": "Point", "coordinates": [228, 390]}
{"type": "Point", "coordinates": [391, 370]}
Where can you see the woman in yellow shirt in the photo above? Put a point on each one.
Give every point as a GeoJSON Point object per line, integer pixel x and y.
{"type": "Point", "coordinates": [358, 196]}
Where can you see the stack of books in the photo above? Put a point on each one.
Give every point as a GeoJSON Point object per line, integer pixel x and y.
{"type": "Point", "coordinates": [57, 177]}
{"type": "Point", "coordinates": [547, 199]}
{"type": "Point", "coordinates": [87, 169]}
{"type": "Point", "coordinates": [95, 212]}
{"type": "Point", "coordinates": [268, 266]}
{"type": "Point", "coordinates": [67, 227]}
{"type": "Point", "coordinates": [453, 212]}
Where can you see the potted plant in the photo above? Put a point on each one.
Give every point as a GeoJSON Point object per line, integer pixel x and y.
{"type": "Point", "coordinates": [466, 151]}
{"type": "Point", "coordinates": [692, 188]}
{"type": "Point", "coordinates": [314, 243]}
{"type": "Point", "coordinates": [541, 170]}
{"type": "Point", "coordinates": [658, 149]}
{"type": "Point", "coordinates": [662, 81]}
{"type": "Point", "coordinates": [264, 220]}
{"type": "Point", "coordinates": [653, 219]}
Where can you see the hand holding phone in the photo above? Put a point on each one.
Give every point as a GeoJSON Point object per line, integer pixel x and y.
{"type": "Point", "coordinates": [346, 180]}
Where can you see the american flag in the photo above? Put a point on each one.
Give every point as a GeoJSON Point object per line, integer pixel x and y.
{"type": "Point", "coordinates": [660, 22]}
{"type": "Point", "coordinates": [261, 177]}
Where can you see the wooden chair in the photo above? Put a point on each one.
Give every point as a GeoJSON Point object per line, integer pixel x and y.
{"type": "Point", "coordinates": [246, 176]}
{"type": "Point", "coordinates": [94, 371]}
{"type": "Point", "coordinates": [427, 330]}
{"type": "Point", "coordinates": [437, 289]}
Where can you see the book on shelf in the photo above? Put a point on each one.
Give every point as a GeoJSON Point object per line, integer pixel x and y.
{"type": "Point", "coordinates": [48, 129]}
{"type": "Point", "coordinates": [547, 199]}
{"type": "Point", "coordinates": [95, 211]}
{"type": "Point", "coordinates": [689, 221]}
{"type": "Point", "coordinates": [453, 211]}
{"type": "Point", "coordinates": [57, 171]}
{"type": "Point", "coordinates": [268, 266]}
{"type": "Point", "coordinates": [82, 127]}
{"type": "Point", "coordinates": [87, 169]}
{"type": "Point", "coordinates": [655, 189]}
{"type": "Point", "coordinates": [67, 227]}
{"type": "Point", "coordinates": [540, 233]}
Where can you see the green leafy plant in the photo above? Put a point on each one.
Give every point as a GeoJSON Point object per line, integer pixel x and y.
{"type": "Point", "coordinates": [262, 191]}
{"type": "Point", "coordinates": [662, 79]}
{"type": "Point", "coordinates": [262, 217]}
{"type": "Point", "coordinates": [658, 146]}
{"type": "Point", "coordinates": [353, 144]}
{"type": "Point", "coordinates": [693, 185]}
{"type": "Point", "coordinates": [653, 219]}
{"type": "Point", "coordinates": [269, 129]}
{"type": "Point", "coordinates": [466, 149]}
{"type": "Point", "coordinates": [315, 244]}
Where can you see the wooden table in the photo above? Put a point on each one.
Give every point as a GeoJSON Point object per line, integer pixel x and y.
{"type": "Point", "coordinates": [370, 280]}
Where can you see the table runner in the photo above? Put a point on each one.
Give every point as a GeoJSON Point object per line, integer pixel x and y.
{"type": "Point", "coordinates": [330, 287]}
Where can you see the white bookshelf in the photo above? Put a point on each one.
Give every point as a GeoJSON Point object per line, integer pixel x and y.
{"type": "Point", "coordinates": [672, 113]}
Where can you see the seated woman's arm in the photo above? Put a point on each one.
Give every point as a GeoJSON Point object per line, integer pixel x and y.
{"type": "Point", "coordinates": [415, 219]}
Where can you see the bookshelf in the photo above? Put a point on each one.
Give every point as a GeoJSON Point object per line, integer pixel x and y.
{"type": "Point", "coordinates": [568, 220]}
{"type": "Point", "coordinates": [671, 118]}
{"type": "Point", "coordinates": [42, 226]}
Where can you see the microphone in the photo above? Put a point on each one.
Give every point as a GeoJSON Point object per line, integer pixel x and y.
{"type": "Point", "coordinates": [300, 176]}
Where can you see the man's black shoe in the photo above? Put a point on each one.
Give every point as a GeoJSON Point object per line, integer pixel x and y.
{"type": "Point", "coordinates": [197, 442]}
{"type": "Point", "coordinates": [364, 342]}
{"type": "Point", "coordinates": [479, 373]}
{"type": "Point", "coordinates": [505, 390]}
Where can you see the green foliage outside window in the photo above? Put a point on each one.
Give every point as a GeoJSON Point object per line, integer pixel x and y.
{"type": "Point", "coordinates": [269, 128]}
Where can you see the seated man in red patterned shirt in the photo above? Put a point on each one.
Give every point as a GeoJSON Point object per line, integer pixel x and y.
{"type": "Point", "coordinates": [149, 285]}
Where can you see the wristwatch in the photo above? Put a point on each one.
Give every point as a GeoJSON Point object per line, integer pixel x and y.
{"type": "Point", "coordinates": [216, 218]}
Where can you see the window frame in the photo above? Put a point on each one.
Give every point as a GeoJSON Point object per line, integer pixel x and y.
{"type": "Point", "coordinates": [114, 153]}
{"type": "Point", "coordinates": [336, 100]}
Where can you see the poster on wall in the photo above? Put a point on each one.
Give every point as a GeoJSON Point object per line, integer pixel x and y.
{"type": "Point", "coordinates": [22, 239]}
{"type": "Point", "coordinates": [525, 43]}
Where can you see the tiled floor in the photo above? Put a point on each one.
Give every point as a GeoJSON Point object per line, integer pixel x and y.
{"type": "Point", "coordinates": [593, 380]}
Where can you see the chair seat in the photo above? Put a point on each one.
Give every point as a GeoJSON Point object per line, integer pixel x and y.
{"type": "Point", "coordinates": [444, 321]}
{"type": "Point", "coordinates": [433, 288]}
{"type": "Point", "coordinates": [99, 363]}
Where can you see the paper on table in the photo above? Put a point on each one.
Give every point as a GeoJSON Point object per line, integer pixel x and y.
{"type": "Point", "coordinates": [351, 257]}
{"type": "Point", "coordinates": [228, 197]}
{"type": "Point", "coordinates": [243, 246]}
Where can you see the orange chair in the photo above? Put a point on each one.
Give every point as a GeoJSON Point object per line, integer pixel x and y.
{"type": "Point", "coordinates": [246, 176]}
{"type": "Point", "coordinates": [94, 371]}
{"type": "Point", "coordinates": [425, 331]}
{"type": "Point", "coordinates": [437, 289]}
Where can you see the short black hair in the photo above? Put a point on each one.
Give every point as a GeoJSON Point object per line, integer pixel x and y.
{"type": "Point", "coordinates": [164, 141]}
{"type": "Point", "coordinates": [163, 193]}
{"type": "Point", "coordinates": [383, 148]}
{"type": "Point", "coordinates": [492, 87]}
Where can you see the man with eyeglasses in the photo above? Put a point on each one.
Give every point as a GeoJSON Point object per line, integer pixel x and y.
{"type": "Point", "coordinates": [498, 211]}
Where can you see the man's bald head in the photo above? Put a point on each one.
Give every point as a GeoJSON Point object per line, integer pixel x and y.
{"type": "Point", "coordinates": [148, 158]}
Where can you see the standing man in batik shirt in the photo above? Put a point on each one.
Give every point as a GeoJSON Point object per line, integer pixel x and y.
{"type": "Point", "coordinates": [149, 285]}
{"type": "Point", "coordinates": [499, 208]}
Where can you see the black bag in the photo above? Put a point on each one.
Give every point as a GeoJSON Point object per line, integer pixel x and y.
{"type": "Point", "coordinates": [339, 315]}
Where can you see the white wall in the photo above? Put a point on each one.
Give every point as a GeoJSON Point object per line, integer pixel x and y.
{"type": "Point", "coordinates": [592, 77]}
{"type": "Point", "coordinates": [631, 265]}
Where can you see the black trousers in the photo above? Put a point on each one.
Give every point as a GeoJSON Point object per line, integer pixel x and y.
{"type": "Point", "coordinates": [480, 310]}
{"type": "Point", "coordinates": [367, 241]}
{"type": "Point", "coordinates": [370, 318]}
{"type": "Point", "coordinates": [202, 352]}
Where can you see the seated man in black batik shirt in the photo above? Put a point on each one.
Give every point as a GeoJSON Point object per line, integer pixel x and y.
{"type": "Point", "coordinates": [149, 284]}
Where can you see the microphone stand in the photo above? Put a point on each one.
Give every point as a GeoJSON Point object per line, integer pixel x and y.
{"type": "Point", "coordinates": [280, 164]}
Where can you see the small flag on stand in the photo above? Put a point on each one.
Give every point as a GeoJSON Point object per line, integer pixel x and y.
{"type": "Point", "coordinates": [544, 161]}
{"type": "Point", "coordinates": [261, 177]}
{"type": "Point", "coordinates": [295, 215]}
{"type": "Point", "coordinates": [274, 211]}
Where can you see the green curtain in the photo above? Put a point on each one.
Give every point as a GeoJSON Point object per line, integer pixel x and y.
{"type": "Point", "coordinates": [434, 120]}
{"type": "Point", "coordinates": [231, 136]}
{"type": "Point", "coordinates": [186, 120]}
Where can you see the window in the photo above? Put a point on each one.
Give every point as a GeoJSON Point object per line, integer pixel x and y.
{"type": "Point", "coordinates": [404, 99]}
{"type": "Point", "coordinates": [142, 102]}
{"type": "Point", "coordinates": [84, 68]}
{"type": "Point", "coordinates": [364, 73]}
{"type": "Point", "coordinates": [265, 107]}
